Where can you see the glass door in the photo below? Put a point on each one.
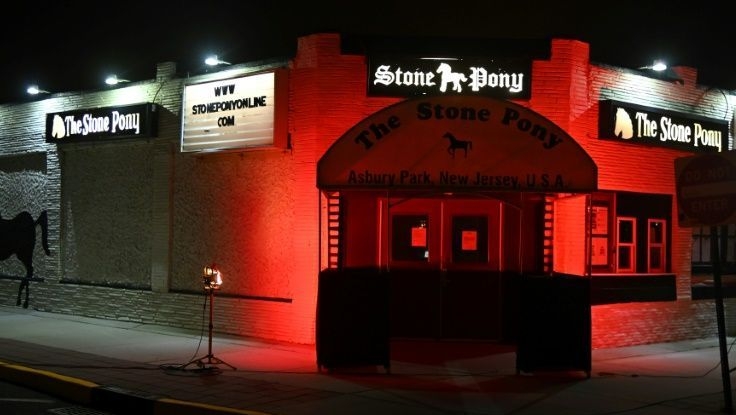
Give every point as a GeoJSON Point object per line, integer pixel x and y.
{"type": "Point", "coordinates": [625, 244]}
{"type": "Point", "coordinates": [656, 245]}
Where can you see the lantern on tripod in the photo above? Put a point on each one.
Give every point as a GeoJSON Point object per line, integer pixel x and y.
{"type": "Point", "coordinates": [212, 280]}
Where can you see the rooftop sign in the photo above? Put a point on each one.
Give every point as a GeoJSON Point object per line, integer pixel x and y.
{"type": "Point", "coordinates": [407, 77]}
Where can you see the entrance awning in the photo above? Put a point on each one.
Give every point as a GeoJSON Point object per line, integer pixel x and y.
{"type": "Point", "coordinates": [457, 143]}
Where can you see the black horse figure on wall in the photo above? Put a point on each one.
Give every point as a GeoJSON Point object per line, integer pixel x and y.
{"type": "Point", "coordinates": [456, 144]}
{"type": "Point", "coordinates": [18, 236]}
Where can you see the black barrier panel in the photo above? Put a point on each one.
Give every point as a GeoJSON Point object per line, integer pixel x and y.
{"type": "Point", "coordinates": [452, 304]}
{"type": "Point", "coordinates": [555, 324]}
{"type": "Point", "coordinates": [471, 305]}
{"type": "Point", "coordinates": [352, 319]}
{"type": "Point", "coordinates": [415, 297]}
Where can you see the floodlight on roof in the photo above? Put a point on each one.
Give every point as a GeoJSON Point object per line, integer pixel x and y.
{"type": "Point", "coordinates": [114, 80]}
{"type": "Point", "coordinates": [213, 60]}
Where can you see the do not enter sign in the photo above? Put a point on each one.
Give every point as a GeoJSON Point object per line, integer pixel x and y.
{"type": "Point", "coordinates": [706, 189]}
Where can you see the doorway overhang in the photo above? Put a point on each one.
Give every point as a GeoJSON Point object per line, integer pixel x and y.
{"type": "Point", "coordinates": [457, 144]}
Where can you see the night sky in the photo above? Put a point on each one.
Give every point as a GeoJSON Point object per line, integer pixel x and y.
{"type": "Point", "coordinates": [68, 46]}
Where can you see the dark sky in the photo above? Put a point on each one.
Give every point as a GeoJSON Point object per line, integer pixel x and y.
{"type": "Point", "coordinates": [73, 45]}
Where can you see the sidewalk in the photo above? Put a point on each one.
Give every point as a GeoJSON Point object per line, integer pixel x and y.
{"type": "Point", "coordinates": [130, 368]}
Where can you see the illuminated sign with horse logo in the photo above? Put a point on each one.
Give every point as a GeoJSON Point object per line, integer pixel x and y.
{"type": "Point", "coordinates": [130, 121]}
{"type": "Point", "coordinates": [402, 77]}
{"type": "Point", "coordinates": [642, 125]}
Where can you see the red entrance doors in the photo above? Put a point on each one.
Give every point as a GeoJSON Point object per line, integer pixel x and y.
{"type": "Point", "coordinates": [444, 261]}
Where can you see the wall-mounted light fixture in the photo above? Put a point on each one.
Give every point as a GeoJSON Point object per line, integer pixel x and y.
{"type": "Point", "coordinates": [35, 90]}
{"type": "Point", "coordinates": [114, 80]}
{"type": "Point", "coordinates": [657, 66]}
{"type": "Point", "coordinates": [213, 60]}
{"type": "Point", "coordinates": [660, 70]}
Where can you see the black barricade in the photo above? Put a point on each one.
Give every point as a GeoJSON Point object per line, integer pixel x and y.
{"type": "Point", "coordinates": [353, 318]}
{"type": "Point", "coordinates": [554, 324]}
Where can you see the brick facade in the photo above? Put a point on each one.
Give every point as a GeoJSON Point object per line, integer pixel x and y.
{"type": "Point", "coordinates": [132, 223]}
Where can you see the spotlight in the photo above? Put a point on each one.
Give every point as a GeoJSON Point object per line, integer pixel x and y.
{"type": "Point", "coordinates": [658, 66]}
{"type": "Point", "coordinates": [114, 80]}
{"type": "Point", "coordinates": [211, 278]}
{"type": "Point", "coordinates": [34, 90]}
{"type": "Point", "coordinates": [213, 60]}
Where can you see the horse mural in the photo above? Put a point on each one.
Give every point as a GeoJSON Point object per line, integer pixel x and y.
{"type": "Point", "coordinates": [18, 236]}
{"type": "Point", "coordinates": [456, 144]}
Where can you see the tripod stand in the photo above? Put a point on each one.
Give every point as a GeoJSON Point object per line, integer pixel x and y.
{"type": "Point", "coordinates": [209, 358]}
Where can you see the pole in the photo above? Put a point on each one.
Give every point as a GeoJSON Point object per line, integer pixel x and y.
{"type": "Point", "coordinates": [212, 306]}
{"type": "Point", "coordinates": [722, 343]}
{"type": "Point", "coordinates": [209, 358]}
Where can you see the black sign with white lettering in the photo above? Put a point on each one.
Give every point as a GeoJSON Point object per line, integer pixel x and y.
{"type": "Point", "coordinates": [403, 77]}
{"type": "Point", "coordinates": [132, 121]}
{"type": "Point", "coordinates": [643, 125]}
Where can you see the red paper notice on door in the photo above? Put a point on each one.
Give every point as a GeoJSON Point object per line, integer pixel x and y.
{"type": "Point", "coordinates": [469, 240]}
{"type": "Point", "coordinates": [419, 236]}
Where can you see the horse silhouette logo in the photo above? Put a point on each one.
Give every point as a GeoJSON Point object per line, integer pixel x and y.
{"type": "Point", "coordinates": [57, 127]}
{"type": "Point", "coordinates": [448, 76]}
{"type": "Point", "coordinates": [623, 127]}
{"type": "Point", "coordinates": [18, 236]}
{"type": "Point", "coordinates": [456, 144]}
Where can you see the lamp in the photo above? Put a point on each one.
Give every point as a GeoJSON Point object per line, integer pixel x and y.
{"type": "Point", "coordinates": [34, 90]}
{"type": "Point", "coordinates": [657, 66]}
{"type": "Point", "coordinates": [213, 60]}
{"type": "Point", "coordinates": [211, 280]}
{"type": "Point", "coordinates": [114, 80]}
{"type": "Point", "coordinates": [660, 70]}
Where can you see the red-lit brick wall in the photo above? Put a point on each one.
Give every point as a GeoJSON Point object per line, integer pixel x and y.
{"type": "Point", "coordinates": [630, 324]}
{"type": "Point", "coordinates": [328, 97]}
{"type": "Point", "coordinates": [567, 90]}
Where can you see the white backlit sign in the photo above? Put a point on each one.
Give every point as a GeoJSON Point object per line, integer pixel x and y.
{"type": "Point", "coordinates": [404, 77]}
{"type": "Point", "coordinates": [642, 125]}
{"type": "Point", "coordinates": [229, 114]}
{"type": "Point", "coordinates": [131, 121]}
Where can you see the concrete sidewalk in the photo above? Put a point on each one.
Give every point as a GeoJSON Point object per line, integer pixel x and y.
{"type": "Point", "coordinates": [131, 368]}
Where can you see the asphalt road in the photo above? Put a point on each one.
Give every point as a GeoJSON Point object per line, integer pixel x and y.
{"type": "Point", "coordinates": [18, 400]}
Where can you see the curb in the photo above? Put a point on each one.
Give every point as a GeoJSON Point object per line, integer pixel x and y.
{"type": "Point", "coordinates": [107, 398]}
{"type": "Point", "coordinates": [73, 389]}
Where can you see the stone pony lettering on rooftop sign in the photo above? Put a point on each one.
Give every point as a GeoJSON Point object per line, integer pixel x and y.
{"type": "Point", "coordinates": [131, 121]}
{"type": "Point", "coordinates": [406, 77]}
{"type": "Point", "coordinates": [637, 124]}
